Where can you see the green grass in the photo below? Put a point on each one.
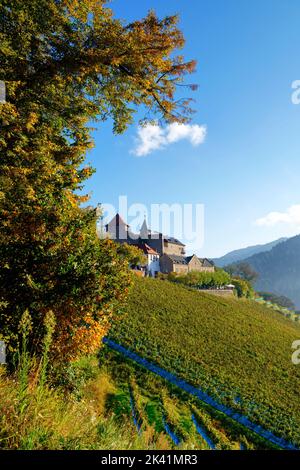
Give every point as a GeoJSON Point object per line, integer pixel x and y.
{"type": "Point", "coordinates": [56, 419]}
{"type": "Point", "coordinates": [236, 350]}
{"type": "Point", "coordinates": [91, 409]}
{"type": "Point", "coordinates": [94, 413]}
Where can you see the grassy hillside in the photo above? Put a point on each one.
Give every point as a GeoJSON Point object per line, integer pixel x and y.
{"type": "Point", "coordinates": [66, 414]}
{"type": "Point", "coordinates": [237, 351]}
{"type": "Point", "coordinates": [114, 406]}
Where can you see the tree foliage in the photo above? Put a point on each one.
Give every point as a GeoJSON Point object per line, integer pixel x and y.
{"type": "Point", "coordinates": [280, 300]}
{"type": "Point", "coordinates": [242, 270]}
{"type": "Point", "coordinates": [133, 254]}
{"type": "Point", "coordinates": [202, 280]}
{"type": "Point", "coordinates": [243, 288]}
{"type": "Point", "coordinates": [66, 63]}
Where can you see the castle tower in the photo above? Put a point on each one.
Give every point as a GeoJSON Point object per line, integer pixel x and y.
{"type": "Point", "coordinates": [144, 232]}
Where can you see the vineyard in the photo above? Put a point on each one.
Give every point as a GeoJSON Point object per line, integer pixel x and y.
{"type": "Point", "coordinates": [237, 351]}
{"type": "Point", "coordinates": [164, 417]}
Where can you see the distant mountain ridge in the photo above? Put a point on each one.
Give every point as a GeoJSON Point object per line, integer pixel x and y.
{"type": "Point", "coordinates": [243, 253]}
{"type": "Point", "coordinates": [279, 269]}
{"type": "Point", "coordinates": [277, 264]}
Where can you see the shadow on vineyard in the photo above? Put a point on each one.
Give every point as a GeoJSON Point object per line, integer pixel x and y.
{"type": "Point", "coordinates": [236, 351]}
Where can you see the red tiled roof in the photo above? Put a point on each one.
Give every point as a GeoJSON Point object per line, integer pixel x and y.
{"type": "Point", "coordinates": [147, 249]}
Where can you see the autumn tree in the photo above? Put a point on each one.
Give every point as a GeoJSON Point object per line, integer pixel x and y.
{"type": "Point", "coordinates": [66, 64]}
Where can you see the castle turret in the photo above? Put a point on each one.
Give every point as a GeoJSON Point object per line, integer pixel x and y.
{"type": "Point", "coordinates": [144, 232]}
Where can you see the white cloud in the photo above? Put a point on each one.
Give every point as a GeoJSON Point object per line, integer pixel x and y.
{"type": "Point", "coordinates": [153, 137]}
{"type": "Point", "coordinates": [291, 217]}
{"type": "Point", "coordinates": [194, 133]}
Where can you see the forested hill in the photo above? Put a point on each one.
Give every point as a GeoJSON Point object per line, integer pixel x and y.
{"type": "Point", "coordinates": [279, 269]}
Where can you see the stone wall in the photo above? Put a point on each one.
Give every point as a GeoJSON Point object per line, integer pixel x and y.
{"type": "Point", "coordinates": [166, 265]}
{"type": "Point", "coordinates": [173, 249]}
{"type": "Point", "coordinates": [220, 292]}
{"type": "Point", "coordinates": [181, 268]}
{"type": "Point", "coordinates": [195, 264]}
{"type": "Point", "coordinates": [207, 269]}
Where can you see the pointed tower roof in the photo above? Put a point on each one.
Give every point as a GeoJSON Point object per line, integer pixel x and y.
{"type": "Point", "coordinates": [144, 232]}
{"type": "Point", "coordinates": [116, 221]}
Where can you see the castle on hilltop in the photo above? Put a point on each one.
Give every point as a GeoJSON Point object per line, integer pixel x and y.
{"type": "Point", "coordinates": [164, 254]}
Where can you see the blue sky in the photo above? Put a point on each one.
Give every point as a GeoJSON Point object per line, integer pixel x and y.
{"type": "Point", "coordinates": [248, 166]}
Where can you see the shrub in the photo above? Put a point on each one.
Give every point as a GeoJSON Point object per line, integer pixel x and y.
{"type": "Point", "coordinates": [201, 280]}
{"type": "Point", "coordinates": [84, 288]}
{"type": "Point", "coordinates": [243, 288]}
